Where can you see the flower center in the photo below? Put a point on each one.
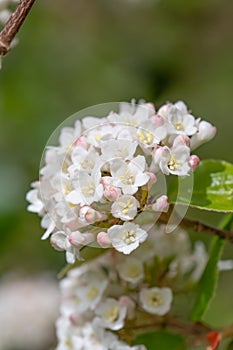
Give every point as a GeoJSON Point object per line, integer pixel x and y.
{"type": "Point", "coordinates": [92, 293]}
{"type": "Point", "coordinates": [126, 206]}
{"type": "Point", "coordinates": [129, 236]}
{"type": "Point", "coordinates": [179, 126]}
{"type": "Point", "coordinates": [132, 271]}
{"type": "Point", "coordinates": [145, 137]}
{"type": "Point", "coordinates": [173, 164]}
{"type": "Point", "coordinates": [111, 314]}
{"type": "Point", "coordinates": [89, 189]}
{"type": "Point", "coordinates": [127, 179]}
{"type": "Point", "coordinates": [155, 300]}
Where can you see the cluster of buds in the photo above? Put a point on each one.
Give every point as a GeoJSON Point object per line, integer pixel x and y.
{"type": "Point", "coordinates": [95, 187]}
{"type": "Point", "coordinates": [112, 293]}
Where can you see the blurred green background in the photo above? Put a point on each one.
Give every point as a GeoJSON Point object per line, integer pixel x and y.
{"type": "Point", "coordinates": [74, 54]}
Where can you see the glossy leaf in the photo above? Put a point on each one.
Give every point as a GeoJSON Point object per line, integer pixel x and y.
{"type": "Point", "coordinates": [161, 340]}
{"type": "Point", "coordinates": [207, 284]}
{"type": "Point", "coordinates": [213, 187]}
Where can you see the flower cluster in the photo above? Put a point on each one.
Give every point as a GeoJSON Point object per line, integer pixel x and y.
{"type": "Point", "coordinates": [114, 292]}
{"type": "Point", "coordinates": [94, 187]}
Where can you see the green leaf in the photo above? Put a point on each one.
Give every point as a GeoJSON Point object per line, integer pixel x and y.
{"type": "Point", "coordinates": [213, 187]}
{"type": "Point", "coordinates": [207, 284]}
{"type": "Point", "coordinates": [161, 340]}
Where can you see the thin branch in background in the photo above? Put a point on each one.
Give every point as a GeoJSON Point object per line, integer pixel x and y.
{"type": "Point", "coordinates": [198, 226]}
{"type": "Point", "coordinates": [13, 25]}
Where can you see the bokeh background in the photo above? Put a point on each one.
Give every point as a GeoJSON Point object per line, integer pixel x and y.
{"type": "Point", "coordinates": [75, 54]}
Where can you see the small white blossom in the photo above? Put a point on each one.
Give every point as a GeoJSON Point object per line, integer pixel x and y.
{"type": "Point", "coordinates": [175, 161]}
{"type": "Point", "coordinates": [127, 237]}
{"type": "Point", "coordinates": [110, 314]}
{"type": "Point", "coordinates": [36, 205]}
{"type": "Point", "coordinates": [205, 133]}
{"type": "Point", "coordinates": [88, 188]}
{"type": "Point", "coordinates": [179, 121]}
{"type": "Point", "coordinates": [131, 270]}
{"type": "Point", "coordinates": [129, 176]}
{"type": "Point", "coordinates": [119, 148]}
{"type": "Point", "coordinates": [125, 208]}
{"type": "Point", "coordinates": [156, 301]}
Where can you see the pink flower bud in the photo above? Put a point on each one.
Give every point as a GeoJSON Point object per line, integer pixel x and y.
{"type": "Point", "coordinates": [161, 204]}
{"type": "Point", "coordinates": [129, 304]}
{"type": "Point", "coordinates": [78, 239]}
{"type": "Point", "coordinates": [194, 161]}
{"type": "Point", "coordinates": [89, 216]}
{"type": "Point", "coordinates": [181, 140]}
{"type": "Point", "coordinates": [111, 192]}
{"type": "Point", "coordinates": [103, 240]}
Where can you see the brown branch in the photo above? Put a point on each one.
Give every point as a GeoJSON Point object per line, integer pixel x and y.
{"type": "Point", "coordinates": [13, 25]}
{"type": "Point", "coordinates": [198, 226]}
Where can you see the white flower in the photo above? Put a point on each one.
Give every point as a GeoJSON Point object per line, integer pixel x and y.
{"type": "Point", "coordinates": [150, 136]}
{"type": "Point", "coordinates": [83, 159]}
{"type": "Point", "coordinates": [175, 161]}
{"type": "Point", "coordinates": [69, 135]}
{"type": "Point", "coordinates": [155, 300]}
{"type": "Point", "coordinates": [205, 133]}
{"type": "Point", "coordinates": [179, 121]}
{"type": "Point", "coordinates": [125, 208]}
{"type": "Point", "coordinates": [119, 148]}
{"type": "Point", "coordinates": [127, 237]}
{"type": "Point", "coordinates": [131, 270]}
{"type": "Point", "coordinates": [48, 222]}
{"type": "Point", "coordinates": [88, 188]}
{"type": "Point", "coordinates": [130, 115]}
{"type": "Point", "coordinates": [36, 205]}
{"type": "Point", "coordinates": [110, 314]}
{"type": "Point", "coordinates": [129, 176]}
{"type": "Point", "coordinates": [84, 293]}
{"type": "Point", "coordinates": [60, 241]}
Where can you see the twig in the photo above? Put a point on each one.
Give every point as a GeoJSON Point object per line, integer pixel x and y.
{"type": "Point", "coordinates": [198, 226]}
{"type": "Point", "coordinates": [13, 25]}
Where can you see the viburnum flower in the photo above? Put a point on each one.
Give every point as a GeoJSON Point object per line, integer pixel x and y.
{"type": "Point", "coordinates": [178, 119]}
{"type": "Point", "coordinates": [175, 161]}
{"type": "Point", "coordinates": [101, 179]}
{"type": "Point", "coordinates": [156, 301]}
{"type": "Point", "coordinates": [125, 208]}
{"type": "Point", "coordinates": [113, 291]}
{"type": "Point", "coordinates": [88, 187]}
{"type": "Point", "coordinates": [125, 238]}
{"type": "Point", "coordinates": [120, 148]}
{"type": "Point", "coordinates": [131, 270]}
{"type": "Point", "coordinates": [110, 314]}
{"type": "Point", "coordinates": [129, 176]}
